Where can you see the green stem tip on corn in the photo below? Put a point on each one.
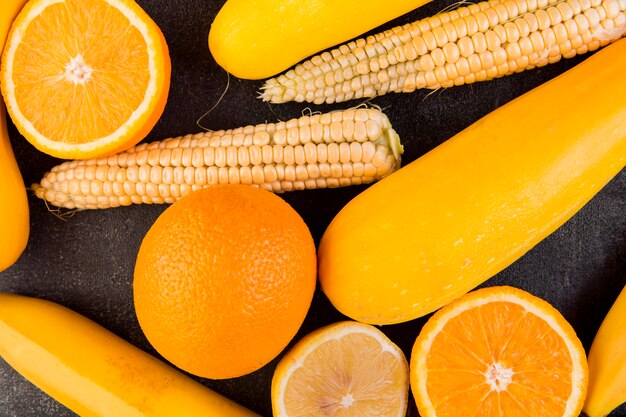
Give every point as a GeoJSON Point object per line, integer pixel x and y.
{"type": "Point", "coordinates": [474, 43]}
{"type": "Point", "coordinates": [356, 146]}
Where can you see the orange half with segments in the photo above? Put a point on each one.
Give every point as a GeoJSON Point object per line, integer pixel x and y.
{"type": "Point", "coordinates": [85, 78]}
{"type": "Point", "coordinates": [498, 352]}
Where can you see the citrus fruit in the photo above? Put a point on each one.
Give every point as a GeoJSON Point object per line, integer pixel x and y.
{"type": "Point", "coordinates": [344, 369]}
{"type": "Point", "coordinates": [85, 78]}
{"type": "Point", "coordinates": [224, 279]}
{"type": "Point", "coordinates": [498, 352]}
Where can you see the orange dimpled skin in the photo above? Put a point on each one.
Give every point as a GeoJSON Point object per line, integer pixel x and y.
{"type": "Point", "coordinates": [224, 279]}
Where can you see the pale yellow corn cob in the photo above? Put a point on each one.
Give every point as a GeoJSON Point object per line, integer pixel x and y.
{"type": "Point", "coordinates": [335, 149]}
{"type": "Point", "coordinates": [474, 43]}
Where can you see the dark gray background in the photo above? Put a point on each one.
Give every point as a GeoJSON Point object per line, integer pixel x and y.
{"type": "Point", "coordinates": [86, 263]}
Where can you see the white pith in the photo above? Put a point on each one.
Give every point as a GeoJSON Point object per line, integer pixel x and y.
{"type": "Point", "coordinates": [498, 377]}
{"type": "Point", "coordinates": [77, 71]}
{"type": "Point", "coordinates": [347, 400]}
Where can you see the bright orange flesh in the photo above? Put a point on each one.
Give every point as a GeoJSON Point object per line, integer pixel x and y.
{"type": "Point", "coordinates": [111, 97]}
{"type": "Point", "coordinates": [90, 88]}
{"type": "Point", "coordinates": [498, 352]}
{"type": "Point", "coordinates": [224, 279]}
{"type": "Point", "coordinates": [346, 369]}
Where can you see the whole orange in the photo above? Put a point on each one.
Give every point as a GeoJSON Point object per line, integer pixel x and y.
{"type": "Point", "coordinates": [224, 279]}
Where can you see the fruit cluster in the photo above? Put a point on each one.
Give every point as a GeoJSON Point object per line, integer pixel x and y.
{"type": "Point", "coordinates": [225, 278]}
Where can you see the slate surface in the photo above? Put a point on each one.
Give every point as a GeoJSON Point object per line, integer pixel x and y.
{"type": "Point", "coordinates": [86, 262]}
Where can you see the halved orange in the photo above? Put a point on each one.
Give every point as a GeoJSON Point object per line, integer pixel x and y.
{"type": "Point", "coordinates": [498, 352]}
{"type": "Point", "coordinates": [347, 369]}
{"type": "Point", "coordinates": [85, 78]}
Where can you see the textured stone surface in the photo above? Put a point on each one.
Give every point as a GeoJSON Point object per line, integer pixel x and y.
{"type": "Point", "coordinates": [86, 262]}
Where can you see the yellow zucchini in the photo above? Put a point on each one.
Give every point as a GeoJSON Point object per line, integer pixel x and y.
{"type": "Point", "coordinates": [256, 39]}
{"type": "Point", "coordinates": [14, 216]}
{"type": "Point", "coordinates": [466, 210]}
{"type": "Point", "coordinates": [607, 363]}
{"type": "Point", "coordinates": [92, 371]}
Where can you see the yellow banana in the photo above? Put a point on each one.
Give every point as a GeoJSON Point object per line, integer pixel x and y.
{"type": "Point", "coordinates": [14, 219]}
{"type": "Point", "coordinates": [92, 371]}
{"type": "Point", "coordinates": [607, 363]}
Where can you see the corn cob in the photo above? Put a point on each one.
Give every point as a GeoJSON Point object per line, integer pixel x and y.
{"type": "Point", "coordinates": [474, 43]}
{"type": "Point", "coordinates": [336, 149]}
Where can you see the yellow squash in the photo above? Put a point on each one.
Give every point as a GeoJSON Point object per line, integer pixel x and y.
{"type": "Point", "coordinates": [466, 210]}
{"type": "Point", "coordinates": [256, 39]}
{"type": "Point", "coordinates": [607, 363]}
{"type": "Point", "coordinates": [92, 371]}
{"type": "Point", "coordinates": [14, 218]}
